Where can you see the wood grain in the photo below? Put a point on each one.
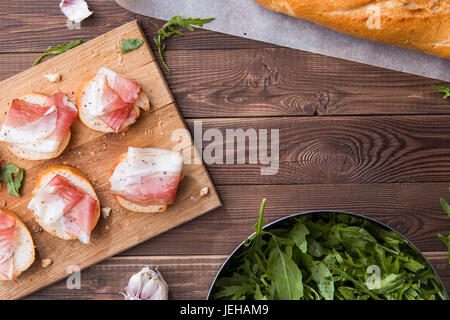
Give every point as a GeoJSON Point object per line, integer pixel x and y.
{"type": "Point", "coordinates": [189, 277]}
{"type": "Point", "coordinates": [282, 82]}
{"type": "Point", "coordinates": [220, 76]}
{"type": "Point", "coordinates": [412, 209]}
{"type": "Point", "coordinates": [107, 279]}
{"type": "Point", "coordinates": [337, 150]}
{"type": "Point", "coordinates": [95, 153]}
{"type": "Point", "coordinates": [30, 28]}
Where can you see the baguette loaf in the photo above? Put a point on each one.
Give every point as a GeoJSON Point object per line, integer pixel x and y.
{"type": "Point", "coordinates": [422, 25]}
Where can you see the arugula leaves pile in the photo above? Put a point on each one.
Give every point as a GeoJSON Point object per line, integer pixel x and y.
{"type": "Point", "coordinates": [169, 29]}
{"type": "Point", "coordinates": [327, 256]}
{"type": "Point", "coordinates": [13, 176]}
{"type": "Point", "coordinates": [58, 49]}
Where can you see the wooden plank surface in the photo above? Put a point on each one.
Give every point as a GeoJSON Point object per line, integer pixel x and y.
{"type": "Point", "coordinates": [94, 153]}
{"type": "Point", "coordinates": [281, 82]}
{"type": "Point", "coordinates": [388, 158]}
{"type": "Point", "coordinates": [190, 277]}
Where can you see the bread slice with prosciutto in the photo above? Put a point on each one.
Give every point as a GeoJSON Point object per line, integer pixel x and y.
{"type": "Point", "coordinates": [110, 102]}
{"type": "Point", "coordinates": [65, 204]}
{"type": "Point", "coordinates": [37, 127]}
{"type": "Point", "coordinates": [146, 179]}
{"type": "Point", "coordinates": [16, 246]}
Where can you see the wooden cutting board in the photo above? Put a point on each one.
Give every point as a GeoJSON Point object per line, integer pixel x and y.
{"type": "Point", "coordinates": [94, 154]}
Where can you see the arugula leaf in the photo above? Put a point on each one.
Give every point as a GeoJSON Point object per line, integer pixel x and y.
{"type": "Point", "coordinates": [445, 206]}
{"type": "Point", "coordinates": [445, 240]}
{"type": "Point", "coordinates": [130, 44]}
{"type": "Point", "coordinates": [169, 29]}
{"type": "Point", "coordinates": [298, 235]}
{"type": "Point", "coordinates": [286, 274]}
{"type": "Point", "coordinates": [13, 176]}
{"type": "Point", "coordinates": [444, 90]}
{"type": "Point", "coordinates": [58, 49]}
{"type": "Point", "coordinates": [323, 278]}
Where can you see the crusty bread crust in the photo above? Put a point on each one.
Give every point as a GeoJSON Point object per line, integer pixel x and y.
{"type": "Point", "coordinates": [142, 102]}
{"type": "Point", "coordinates": [422, 25]}
{"type": "Point", "coordinates": [40, 183]}
{"type": "Point", "coordinates": [30, 155]}
{"type": "Point", "coordinates": [130, 205]}
{"type": "Point", "coordinates": [23, 227]}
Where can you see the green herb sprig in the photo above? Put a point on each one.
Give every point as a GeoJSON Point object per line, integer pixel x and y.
{"type": "Point", "coordinates": [444, 90]}
{"type": "Point", "coordinates": [58, 49]}
{"type": "Point", "coordinates": [170, 29]}
{"type": "Point", "coordinates": [13, 176]}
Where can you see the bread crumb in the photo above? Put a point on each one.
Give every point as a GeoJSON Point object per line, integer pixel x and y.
{"type": "Point", "coordinates": [36, 228]}
{"type": "Point", "coordinates": [107, 228]}
{"type": "Point", "coordinates": [105, 212]}
{"type": "Point", "coordinates": [53, 77]}
{"type": "Point", "coordinates": [204, 191]}
{"type": "Point", "coordinates": [46, 262]}
{"type": "Point", "coordinates": [160, 123]}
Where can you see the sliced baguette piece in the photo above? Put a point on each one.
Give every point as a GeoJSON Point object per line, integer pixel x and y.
{"type": "Point", "coordinates": [24, 253]}
{"type": "Point", "coordinates": [133, 206]}
{"type": "Point", "coordinates": [84, 99]}
{"type": "Point", "coordinates": [40, 99]}
{"type": "Point", "coordinates": [78, 179]}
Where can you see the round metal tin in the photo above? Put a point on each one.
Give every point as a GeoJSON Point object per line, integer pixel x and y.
{"type": "Point", "coordinates": [284, 219]}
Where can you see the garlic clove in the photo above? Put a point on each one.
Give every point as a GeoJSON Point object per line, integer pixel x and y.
{"type": "Point", "coordinates": [147, 284]}
{"type": "Point", "coordinates": [134, 285]}
{"type": "Point", "coordinates": [150, 289]}
{"type": "Point", "coordinates": [75, 10]}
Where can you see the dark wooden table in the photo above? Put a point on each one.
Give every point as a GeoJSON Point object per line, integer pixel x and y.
{"type": "Point", "coordinates": [352, 137]}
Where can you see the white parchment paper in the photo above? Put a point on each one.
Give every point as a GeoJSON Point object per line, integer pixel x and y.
{"type": "Point", "coordinates": [247, 19]}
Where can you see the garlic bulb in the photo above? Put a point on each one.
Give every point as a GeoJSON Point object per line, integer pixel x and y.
{"type": "Point", "coordinates": [75, 10]}
{"type": "Point", "coordinates": [147, 284]}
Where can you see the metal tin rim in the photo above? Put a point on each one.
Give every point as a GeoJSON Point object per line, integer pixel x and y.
{"type": "Point", "coordinates": [325, 211]}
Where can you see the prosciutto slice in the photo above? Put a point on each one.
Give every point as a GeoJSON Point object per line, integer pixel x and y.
{"type": "Point", "coordinates": [67, 113]}
{"type": "Point", "coordinates": [148, 176]}
{"type": "Point", "coordinates": [36, 127]}
{"type": "Point", "coordinates": [7, 245]}
{"type": "Point", "coordinates": [115, 100]}
{"type": "Point", "coordinates": [64, 204]}
{"type": "Point", "coordinates": [27, 122]}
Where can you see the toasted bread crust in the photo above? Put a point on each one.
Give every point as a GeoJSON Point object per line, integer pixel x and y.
{"type": "Point", "coordinates": [24, 227]}
{"type": "Point", "coordinates": [141, 102]}
{"type": "Point", "coordinates": [77, 173]}
{"type": "Point", "coordinates": [421, 24]}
